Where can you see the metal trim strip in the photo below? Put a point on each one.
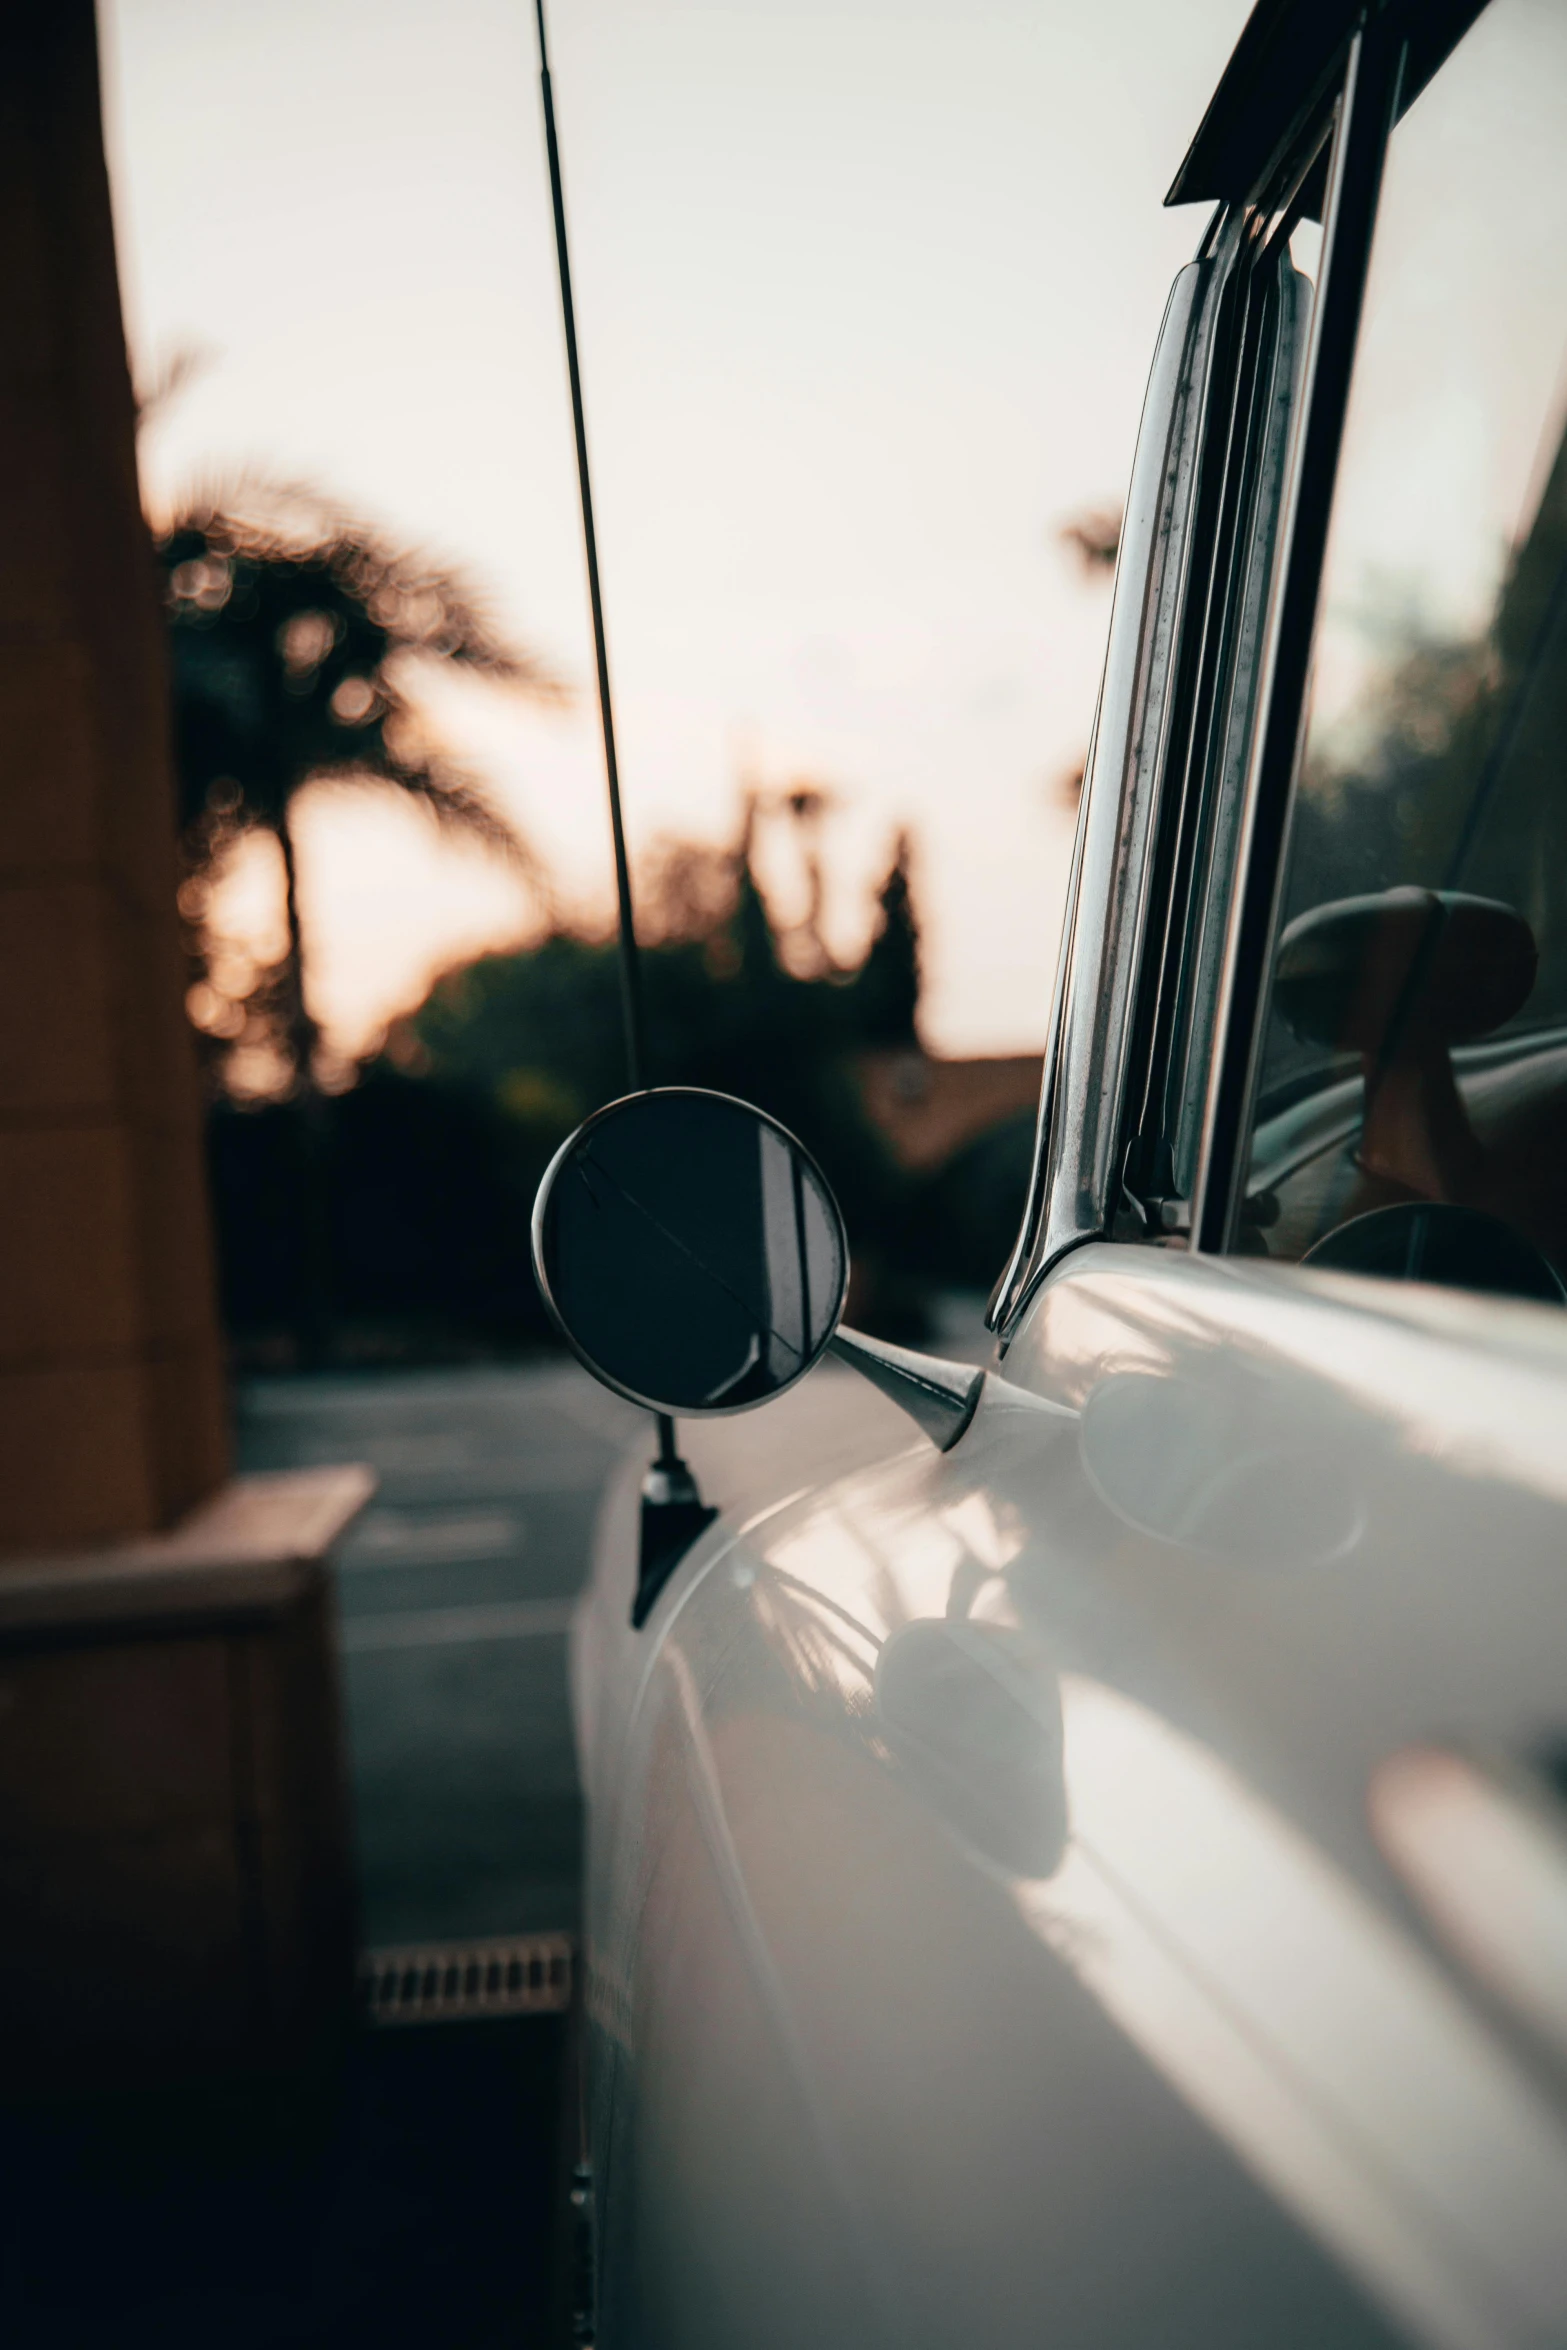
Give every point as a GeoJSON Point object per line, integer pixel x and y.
{"type": "Point", "coordinates": [1367, 110]}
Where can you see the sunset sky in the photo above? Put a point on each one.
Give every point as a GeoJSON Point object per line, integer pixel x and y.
{"type": "Point", "coordinates": [867, 296]}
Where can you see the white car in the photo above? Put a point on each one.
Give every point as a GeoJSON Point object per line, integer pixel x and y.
{"type": "Point", "coordinates": [1074, 1846]}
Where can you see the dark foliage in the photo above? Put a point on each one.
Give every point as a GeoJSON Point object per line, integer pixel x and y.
{"type": "Point", "coordinates": [391, 1219]}
{"type": "Point", "coordinates": [292, 631]}
{"type": "Point", "coordinates": [282, 642]}
{"type": "Point", "coordinates": [539, 1031]}
{"type": "Point", "coordinates": [394, 1217]}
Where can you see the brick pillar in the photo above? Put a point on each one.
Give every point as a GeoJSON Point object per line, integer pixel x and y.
{"type": "Point", "coordinates": [111, 1402]}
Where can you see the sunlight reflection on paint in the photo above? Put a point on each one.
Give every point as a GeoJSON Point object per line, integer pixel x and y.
{"type": "Point", "coordinates": [1313, 2037]}
{"type": "Point", "coordinates": [1487, 1860]}
{"type": "Point", "coordinates": [995, 1538]}
{"type": "Point", "coordinates": [1419, 1380]}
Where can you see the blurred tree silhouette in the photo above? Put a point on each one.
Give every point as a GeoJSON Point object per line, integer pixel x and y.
{"type": "Point", "coordinates": [388, 1221]}
{"type": "Point", "coordinates": [728, 1003]}
{"type": "Point", "coordinates": [394, 1216]}
{"type": "Point", "coordinates": [734, 1000]}
{"type": "Point", "coordinates": [390, 1211]}
{"type": "Point", "coordinates": [293, 631]}
{"type": "Point", "coordinates": [885, 991]}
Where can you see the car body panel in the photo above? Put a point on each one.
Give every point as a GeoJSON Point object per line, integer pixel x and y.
{"type": "Point", "coordinates": [988, 1928]}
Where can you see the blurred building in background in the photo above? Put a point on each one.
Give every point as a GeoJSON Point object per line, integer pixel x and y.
{"type": "Point", "coordinates": [174, 1887]}
{"type": "Point", "coordinates": [113, 1416]}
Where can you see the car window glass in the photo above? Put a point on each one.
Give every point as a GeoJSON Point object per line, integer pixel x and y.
{"type": "Point", "coordinates": [1412, 1106]}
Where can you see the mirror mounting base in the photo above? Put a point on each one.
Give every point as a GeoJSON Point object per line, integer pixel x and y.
{"type": "Point", "coordinates": [939, 1397]}
{"type": "Point", "coordinates": [673, 1516]}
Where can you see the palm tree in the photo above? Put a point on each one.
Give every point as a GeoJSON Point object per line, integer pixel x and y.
{"type": "Point", "coordinates": [293, 632]}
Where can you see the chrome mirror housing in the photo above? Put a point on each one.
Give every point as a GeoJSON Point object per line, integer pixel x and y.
{"type": "Point", "coordinates": [694, 1259]}
{"type": "Point", "coordinates": [690, 1252]}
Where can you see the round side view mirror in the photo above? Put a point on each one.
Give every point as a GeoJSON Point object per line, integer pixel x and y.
{"type": "Point", "coordinates": [690, 1252]}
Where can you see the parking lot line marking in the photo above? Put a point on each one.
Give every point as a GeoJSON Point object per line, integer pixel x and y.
{"type": "Point", "coordinates": [517, 1619]}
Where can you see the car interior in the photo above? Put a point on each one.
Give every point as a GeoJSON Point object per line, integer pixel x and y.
{"type": "Point", "coordinates": [1410, 1109]}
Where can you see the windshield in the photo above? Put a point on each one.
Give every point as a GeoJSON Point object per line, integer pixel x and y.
{"type": "Point", "coordinates": [1437, 735]}
{"type": "Point", "coordinates": [1413, 1094]}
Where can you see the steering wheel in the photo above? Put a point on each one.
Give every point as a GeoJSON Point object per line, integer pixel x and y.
{"type": "Point", "coordinates": [1426, 1240]}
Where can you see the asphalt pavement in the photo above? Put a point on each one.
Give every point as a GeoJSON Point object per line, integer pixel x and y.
{"type": "Point", "coordinates": [455, 1590]}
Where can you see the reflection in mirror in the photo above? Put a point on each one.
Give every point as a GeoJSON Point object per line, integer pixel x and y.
{"type": "Point", "coordinates": [690, 1252]}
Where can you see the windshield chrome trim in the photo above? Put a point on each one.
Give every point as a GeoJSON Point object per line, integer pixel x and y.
{"type": "Point", "coordinates": [1076, 1177]}
{"type": "Point", "coordinates": [1366, 111]}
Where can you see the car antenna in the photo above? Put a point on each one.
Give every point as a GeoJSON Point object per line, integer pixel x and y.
{"type": "Point", "coordinates": [630, 965]}
{"type": "Point", "coordinates": [673, 1512]}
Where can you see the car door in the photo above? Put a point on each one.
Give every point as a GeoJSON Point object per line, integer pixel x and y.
{"type": "Point", "coordinates": [1098, 1884]}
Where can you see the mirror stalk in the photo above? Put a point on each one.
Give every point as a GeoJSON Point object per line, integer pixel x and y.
{"type": "Point", "coordinates": [939, 1397]}
{"type": "Point", "coordinates": [673, 1515]}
